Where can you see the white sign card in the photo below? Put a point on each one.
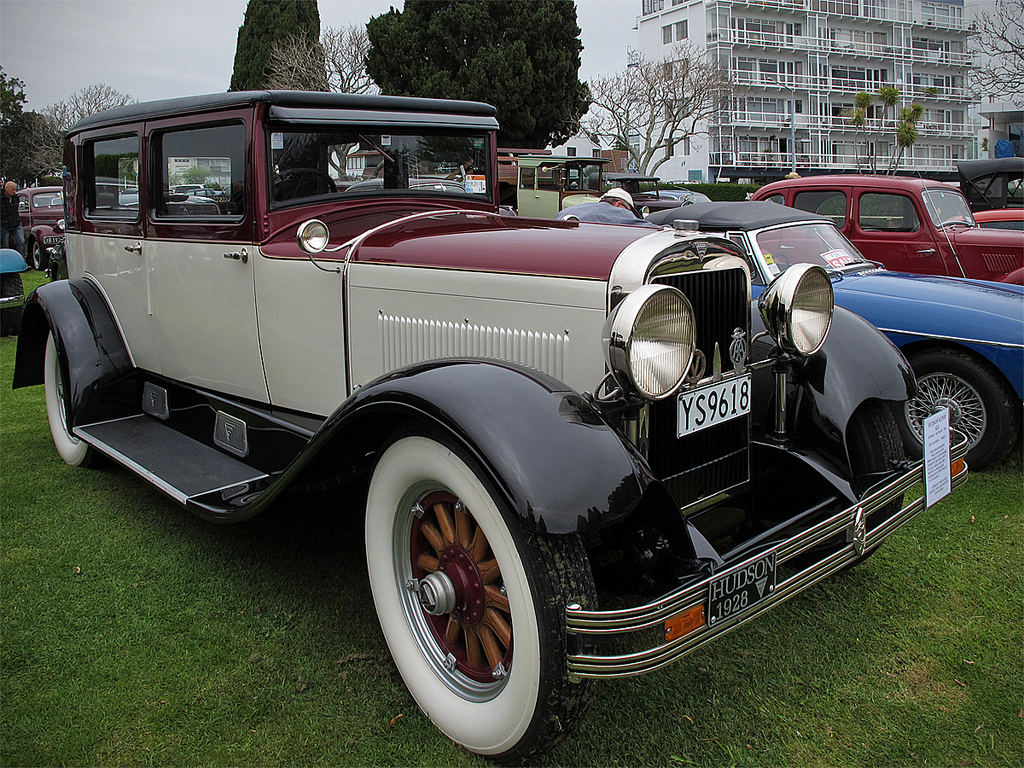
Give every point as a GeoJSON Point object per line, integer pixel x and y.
{"type": "Point", "coordinates": [937, 475]}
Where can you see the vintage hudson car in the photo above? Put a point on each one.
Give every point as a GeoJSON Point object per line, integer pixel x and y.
{"type": "Point", "coordinates": [963, 338]}
{"type": "Point", "coordinates": [907, 224]}
{"type": "Point", "coordinates": [42, 210]}
{"type": "Point", "coordinates": [536, 410]}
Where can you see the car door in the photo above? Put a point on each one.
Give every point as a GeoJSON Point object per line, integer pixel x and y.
{"type": "Point", "coordinates": [888, 227]}
{"type": "Point", "coordinates": [199, 255]}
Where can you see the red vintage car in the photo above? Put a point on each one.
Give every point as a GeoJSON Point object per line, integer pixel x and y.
{"type": "Point", "coordinates": [42, 210]}
{"type": "Point", "coordinates": [907, 224]}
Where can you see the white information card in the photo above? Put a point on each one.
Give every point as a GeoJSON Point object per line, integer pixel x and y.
{"type": "Point", "coordinates": [937, 474]}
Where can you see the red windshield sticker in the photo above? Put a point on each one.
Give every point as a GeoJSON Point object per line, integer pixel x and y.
{"type": "Point", "coordinates": [839, 258]}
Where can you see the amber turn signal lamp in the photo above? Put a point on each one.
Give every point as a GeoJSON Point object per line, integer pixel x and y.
{"type": "Point", "coordinates": [684, 623]}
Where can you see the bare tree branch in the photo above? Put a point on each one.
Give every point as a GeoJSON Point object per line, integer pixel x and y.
{"type": "Point", "coordinates": [47, 140]}
{"type": "Point", "coordinates": [1000, 36]}
{"type": "Point", "coordinates": [659, 102]}
{"type": "Point", "coordinates": [337, 63]}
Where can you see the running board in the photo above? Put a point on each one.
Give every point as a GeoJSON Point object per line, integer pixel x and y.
{"type": "Point", "coordinates": [181, 467]}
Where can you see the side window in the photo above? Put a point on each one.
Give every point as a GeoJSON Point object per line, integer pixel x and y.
{"type": "Point", "coordinates": [22, 203]}
{"type": "Point", "coordinates": [831, 203]}
{"type": "Point", "coordinates": [883, 212]}
{"type": "Point", "coordinates": [527, 177]}
{"type": "Point", "coordinates": [112, 168]}
{"type": "Point", "coordinates": [780, 199]}
{"type": "Point", "coordinates": [549, 177]}
{"type": "Point", "coordinates": [200, 173]}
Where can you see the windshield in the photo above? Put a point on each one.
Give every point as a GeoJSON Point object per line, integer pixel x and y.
{"type": "Point", "coordinates": [820, 244]}
{"type": "Point", "coordinates": [308, 164]}
{"type": "Point", "coordinates": [947, 206]}
{"type": "Point", "coordinates": [51, 200]}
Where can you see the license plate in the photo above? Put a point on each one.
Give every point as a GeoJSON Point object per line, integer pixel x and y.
{"type": "Point", "coordinates": [52, 239]}
{"type": "Point", "coordinates": [713, 404]}
{"type": "Point", "coordinates": [738, 589]}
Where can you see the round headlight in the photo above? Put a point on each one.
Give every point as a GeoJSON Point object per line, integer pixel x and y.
{"type": "Point", "coordinates": [797, 308]}
{"type": "Point", "coordinates": [649, 340]}
{"type": "Point", "coordinates": [313, 236]}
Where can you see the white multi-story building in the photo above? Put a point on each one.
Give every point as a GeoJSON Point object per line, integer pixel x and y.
{"type": "Point", "coordinates": [798, 65]}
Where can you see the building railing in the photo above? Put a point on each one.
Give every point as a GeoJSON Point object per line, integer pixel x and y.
{"type": "Point", "coordinates": [779, 120]}
{"type": "Point", "coordinates": [758, 161]}
{"type": "Point", "coordinates": [921, 14]}
{"type": "Point", "coordinates": [784, 41]}
{"type": "Point", "coordinates": [815, 84]}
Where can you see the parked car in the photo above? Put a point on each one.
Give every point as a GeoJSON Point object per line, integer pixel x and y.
{"type": "Point", "coordinates": [12, 291]}
{"type": "Point", "coordinates": [1001, 218]}
{"type": "Point", "coordinates": [992, 184]}
{"type": "Point", "coordinates": [532, 410]}
{"type": "Point", "coordinates": [42, 210]}
{"type": "Point", "coordinates": [963, 338]}
{"type": "Point", "coordinates": [907, 224]}
{"type": "Point", "coordinates": [547, 184]}
{"type": "Point", "coordinates": [653, 198]}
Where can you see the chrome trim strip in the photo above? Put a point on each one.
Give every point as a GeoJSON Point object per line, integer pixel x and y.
{"type": "Point", "coordinates": [618, 622]}
{"type": "Point", "coordinates": [960, 339]}
{"type": "Point", "coordinates": [10, 302]}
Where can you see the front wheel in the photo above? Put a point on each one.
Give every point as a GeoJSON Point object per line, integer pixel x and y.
{"type": "Point", "coordinates": [980, 405]}
{"type": "Point", "coordinates": [472, 605]}
{"type": "Point", "coordinates": [37, 256]}
{"type": "Point", "coordinates": [71, 449]}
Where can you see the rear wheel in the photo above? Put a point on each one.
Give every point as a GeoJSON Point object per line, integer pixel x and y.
{"type": "Point", "coordinates": [71, 449]}
{"type": "Point", "coordinates": [37, 256]}
{"type": "Point", "coordinates": [472, 606]}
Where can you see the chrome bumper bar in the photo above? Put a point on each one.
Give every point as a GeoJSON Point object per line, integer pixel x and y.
{"type": "Point", "coordinates": [9, 302]}
{"type": "Point", "coordinates": [618, 623]}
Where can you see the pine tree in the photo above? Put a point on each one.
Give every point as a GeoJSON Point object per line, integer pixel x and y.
{"type": "Point", "coordinates": [522, 56]}
{"type": "Point", "coordinates": [268, 21]}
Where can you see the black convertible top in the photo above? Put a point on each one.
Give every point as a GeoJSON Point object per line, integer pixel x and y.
{"type": "Point", "coordinates": [977, 169]}
{"type": "Point", "coordinates": [737, 216]}
{"type": "Point", "coordinates": [473, 111]}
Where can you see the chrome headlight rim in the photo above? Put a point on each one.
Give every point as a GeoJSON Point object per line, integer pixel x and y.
{"type": "Point", "coordinates": [787, 298]}
{"type": "Point", "coordinates": [646, 373]}
{"type": "Point", "coordinates": [313, 236]}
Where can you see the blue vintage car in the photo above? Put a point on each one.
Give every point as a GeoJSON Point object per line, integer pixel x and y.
{"type": "Point", "coordinates": [12, 293]}
{"type": "Point", "coordinates": [963, 338]}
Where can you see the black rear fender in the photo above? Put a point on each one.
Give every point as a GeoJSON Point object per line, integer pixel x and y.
{"type": "Point", "coordinates": [96, 366]}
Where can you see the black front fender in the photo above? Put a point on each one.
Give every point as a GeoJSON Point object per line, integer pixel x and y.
{"type": "Point", "coordinates": [857, 363]}
{"type": "Point", "coordinates": [560, 467]}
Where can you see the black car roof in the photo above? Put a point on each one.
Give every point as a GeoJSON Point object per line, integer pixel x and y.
{"type": "Point", "coordinates": [737, 216]}
{"type": "Point", "coordinates": [976, 169]}
{"type": "Point", "coordinates": [473, 111]}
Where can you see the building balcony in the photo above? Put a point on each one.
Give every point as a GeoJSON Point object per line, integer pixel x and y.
{"type": "Point", "coordinates": [918, 14]}
{"type": "Point", "coordinates": [756, 163]}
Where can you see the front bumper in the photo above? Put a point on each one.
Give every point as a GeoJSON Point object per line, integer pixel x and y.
{"type": "Point", "coordinates": [10, 302]}
{"type": "Point", "coordinates": [864, 532]}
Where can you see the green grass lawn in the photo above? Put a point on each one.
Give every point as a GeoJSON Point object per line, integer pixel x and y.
{"type": "Point", "coordinates": [136, 634]}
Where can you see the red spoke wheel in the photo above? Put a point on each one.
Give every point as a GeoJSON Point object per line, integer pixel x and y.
{"type": "Point", "coordinates": [471, 603]}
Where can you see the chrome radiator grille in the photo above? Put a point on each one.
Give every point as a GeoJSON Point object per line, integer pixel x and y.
{"type": "Point", "coordinates": [718, 458]}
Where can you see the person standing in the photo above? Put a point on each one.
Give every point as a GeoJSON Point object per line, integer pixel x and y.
{"type": "Point", "coordinates": [12, 235]}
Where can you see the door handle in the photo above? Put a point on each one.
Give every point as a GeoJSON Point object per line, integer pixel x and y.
{"type": "Point", "coordinates": [927, 252]}
{"type": "Point", "coordinates": [137, 248]}
{"type": "Point", "coordinates": [241, 256]}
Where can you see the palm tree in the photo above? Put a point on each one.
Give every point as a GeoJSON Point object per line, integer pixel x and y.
{"type": "Point", "coordinates": [906, 132]}
{"type": "Point", "coordinates": [890, 97]}
{"type": "Point", "coordinates": [859, 120]}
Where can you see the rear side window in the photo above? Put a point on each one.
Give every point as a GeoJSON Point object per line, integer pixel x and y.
{"type": "Point", "coordinates": [779, 198]}
{"type": "Point", "coordinates": [830, 202]}
{"type": "Point", "coordinates": [112, 169]}
{"type": "Point", "coordinates": [886, 212]}
{"type": "Point", "coordinates": [200, 173]}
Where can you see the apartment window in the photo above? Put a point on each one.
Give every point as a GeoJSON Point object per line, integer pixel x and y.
{"type": "Point", "coordinates": [682, 29]}
{"type": "Point", "coordinates": [653, 6]}
{"type": "Point", "coordinates": [666, 35]}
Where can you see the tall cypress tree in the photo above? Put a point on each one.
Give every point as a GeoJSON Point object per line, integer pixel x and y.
{"type": "Point", "coordinates": [522, 56]}
{"type": "Point", "coordinates": [267, 21]}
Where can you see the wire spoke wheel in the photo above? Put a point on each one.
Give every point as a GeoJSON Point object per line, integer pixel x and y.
{"type": "Point", "coordinates": [939, 390]}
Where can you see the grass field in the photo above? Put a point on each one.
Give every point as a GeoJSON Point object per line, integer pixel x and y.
{"type": "Point", "coordinates": [136, 634]}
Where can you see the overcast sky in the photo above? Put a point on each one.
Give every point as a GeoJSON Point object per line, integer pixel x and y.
{"type": "Point", "coordinates": [158, 49]}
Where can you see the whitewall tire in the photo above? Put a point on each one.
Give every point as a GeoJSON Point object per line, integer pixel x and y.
{"type": "Point", "coordinates": [486, 659]}
{"type": "Point", "coordinates": [71, 449]}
